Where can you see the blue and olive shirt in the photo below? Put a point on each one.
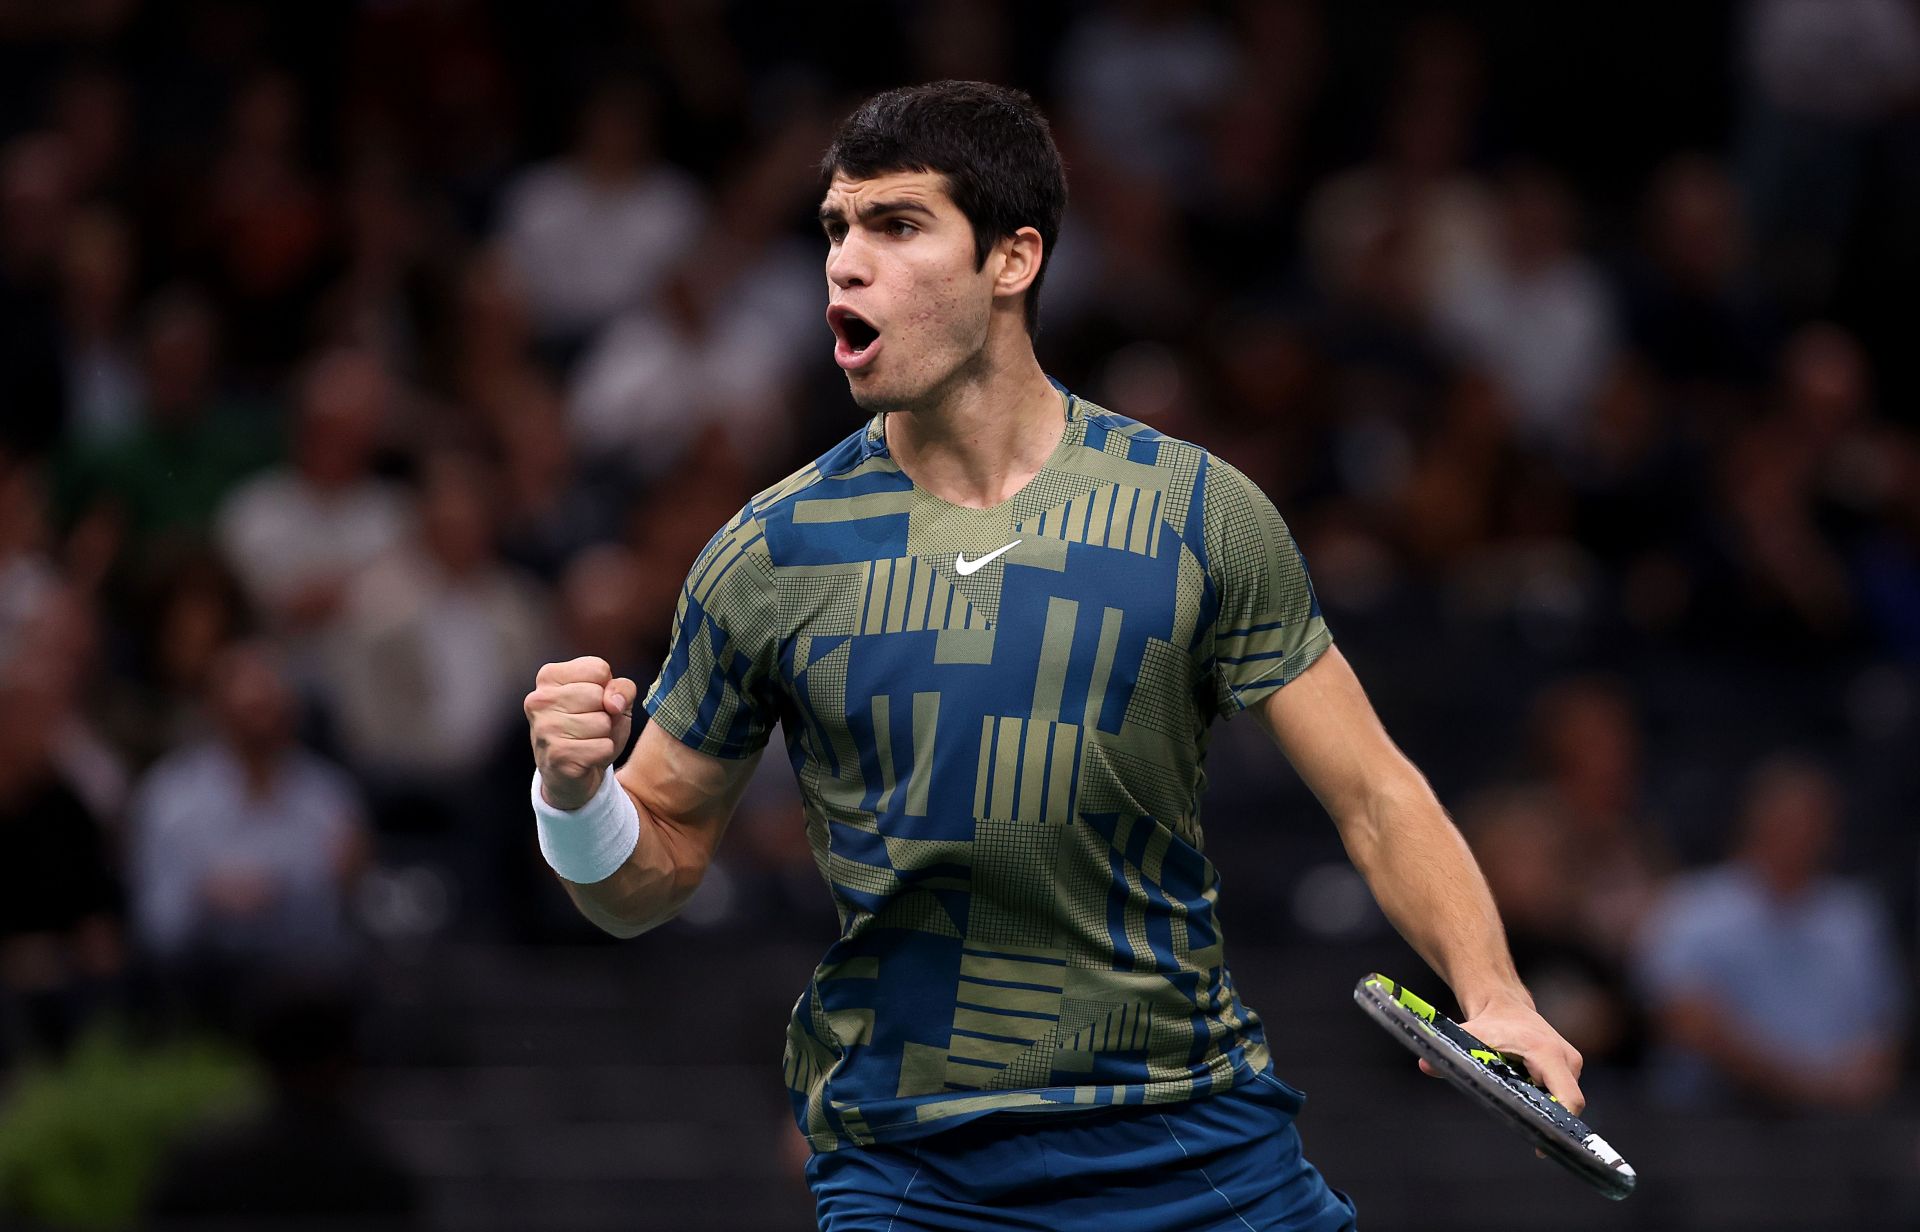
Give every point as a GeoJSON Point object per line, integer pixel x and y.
{"type": "Point", "coordinates": [998, 719]}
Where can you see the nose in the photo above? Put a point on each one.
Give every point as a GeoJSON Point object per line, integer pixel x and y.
{"type": "Point", "coordinates": [848, 263]}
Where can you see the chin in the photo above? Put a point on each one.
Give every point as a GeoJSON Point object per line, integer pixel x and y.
{"type": "Point", "coordinates": [874, 398]}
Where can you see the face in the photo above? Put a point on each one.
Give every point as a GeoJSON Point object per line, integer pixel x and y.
{"type": "Point", "coordinates": [909, 311]}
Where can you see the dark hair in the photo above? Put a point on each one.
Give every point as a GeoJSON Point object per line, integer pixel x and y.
{"type": "Point", "coordinates": [990, 142]}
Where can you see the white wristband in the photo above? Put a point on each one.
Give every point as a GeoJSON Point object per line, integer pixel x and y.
{"type": "Point", "coordinates": [590, 843]}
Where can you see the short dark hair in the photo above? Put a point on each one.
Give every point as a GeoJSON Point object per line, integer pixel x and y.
{"type": "Point", "coordinates": [990, 143]}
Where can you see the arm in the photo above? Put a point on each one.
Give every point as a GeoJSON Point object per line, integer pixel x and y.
{"type": "Point", "coordinates": [579, 719]}
{"type": "Point", "coordinates": [1414, 860]}
{"type": "Point", "coordinates": [685, 800]}
{"type": "Point", "coordinates": [1860, 1078]}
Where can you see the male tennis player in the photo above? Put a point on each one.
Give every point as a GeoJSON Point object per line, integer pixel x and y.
{"type": "Point", "coordinates": [994, 624]}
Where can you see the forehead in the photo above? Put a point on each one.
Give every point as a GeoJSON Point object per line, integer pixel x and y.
{"type": "Point", "coordinates": [927, 188]}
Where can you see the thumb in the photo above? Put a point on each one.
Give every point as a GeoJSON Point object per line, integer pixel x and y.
{"type": "Point", "coordinates": [618, 698]}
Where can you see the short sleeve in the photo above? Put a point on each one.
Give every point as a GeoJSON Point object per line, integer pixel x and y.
{"type": "Point", "coordinates": [716, 690]}
{"type": "Point", "coordinates": [1269, 628]}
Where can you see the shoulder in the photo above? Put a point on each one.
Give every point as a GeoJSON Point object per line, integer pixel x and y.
{"type": "Point", "coordinates": [1848, 905]}
{"type": "Point", "coordinates": [314, 775]}
{"type": "Point", "coordinates": [182, 775]}
{"type": "Point", "coordinates": [1183, 462]}
{"type": "Point", "coordinates": [783, 522]}
{"type": "Point", "coordinates": [1117, 435]}
{"type": "Point", "coordinates": [1711, 902]}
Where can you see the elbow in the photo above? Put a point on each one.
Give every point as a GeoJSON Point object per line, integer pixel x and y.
{"type": "Point", "coordinates": [1369, 817]}
{"type": "Point", "coordinates": [640, 914]}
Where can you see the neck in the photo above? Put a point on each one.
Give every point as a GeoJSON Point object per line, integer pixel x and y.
{"type": "Point", "coordinates": [980, 441]}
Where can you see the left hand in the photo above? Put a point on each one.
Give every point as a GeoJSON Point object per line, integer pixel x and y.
{"type": "Point", "coordinates": [1516, 1029]}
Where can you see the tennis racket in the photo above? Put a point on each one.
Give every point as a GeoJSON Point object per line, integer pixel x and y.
{"type": "Point", "coordinates": [1497, 1084]}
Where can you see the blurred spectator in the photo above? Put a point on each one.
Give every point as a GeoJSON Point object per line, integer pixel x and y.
{"type": "Point", "coordinates": [1825, 81]}
{"type": "Point", "coordinates": [373, 302]}
{"type": "Point", "coordinates": [266, 220]}
{"type": "Point", "coordinates": [723, 342]}
{"type": "Point", "coordinates": [102, 401]}
{"type": "Point", "coordinates": [1536, 315]}
{"type": "Point", "coordinates": [59, 645]}
{"type": "Point", "coordinates": [27, 570]}
{"type": "Point", "coordinates": [1768, 974]}
{"type": "Point", "coordinates": [91, 113]}
{"type": "Point", "coordinates": [1693, 308]}
{"type": "Point", "coordinates": [1137, 77]}
{"type": "Point", "coordinates": [305, 1158]}
{"type": "Point", "coordinates": [436, 643]}
{"type": "Point", "coordinates": [192, 608]}
{"type": "Point", "coordinates": [706, 354]}
{"type": "Point", "coordinates": [433, 76]}
{"type": "Point", "coordinates": [36, 204]}
{"type": "Point", "coordinates": [1638, 487]}
{"type": "Point", "coordinates": [1124, 272]}
{"type": "Point", "coordinates": [60, 897]}
{"type": "Point", "coordinates": [195, 440]}
{"type": "Point", "coordinates": [1531, 859]}
{"type": "Point", "coordinates": [1589, 745]}
{"type": "Point", "coordinates": [1254, 142]}
{"type": "Point", "coordinates": [1887, 559]}
{"type": "Point", "coordinates": [298, 535]}
{"type": "Point", "coordinates": [1387, 233]}
{"type": "Point", "coordinates": [246, 846]}
{"type": "Point", "coordinates": [593, 232]}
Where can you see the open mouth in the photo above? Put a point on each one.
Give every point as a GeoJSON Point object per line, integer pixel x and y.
{"type": "Point", "coordinates": [854, 334]}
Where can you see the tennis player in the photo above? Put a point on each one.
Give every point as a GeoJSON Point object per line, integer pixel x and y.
{"type": "Point", "coordinates": [994, 624]}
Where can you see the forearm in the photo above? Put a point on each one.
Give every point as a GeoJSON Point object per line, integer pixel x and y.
{"type": "Point", "coordinates": [651, 886]}
{"type": "Point", "coordinates": [1426, 881]}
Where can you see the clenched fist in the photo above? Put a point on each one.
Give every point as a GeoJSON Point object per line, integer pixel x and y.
{"type": "Point", "coordinates": [579, 717]}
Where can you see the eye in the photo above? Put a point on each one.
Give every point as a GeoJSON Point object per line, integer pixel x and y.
{"type": "Point", "coordinates": [835, 232]}
{"type": "Point", "coordinates": [899, 227]}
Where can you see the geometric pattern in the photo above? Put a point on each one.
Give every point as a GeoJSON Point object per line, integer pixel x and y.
{"type": "Point", "coordinates": [1000, 771]}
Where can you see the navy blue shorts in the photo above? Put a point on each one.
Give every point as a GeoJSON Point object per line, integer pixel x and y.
{"type": "Point", "coordinates": [1230, 1162]}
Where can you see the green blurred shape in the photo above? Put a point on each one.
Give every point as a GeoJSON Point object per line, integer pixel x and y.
{"type": "Point", "coordinates": [80, 1139]}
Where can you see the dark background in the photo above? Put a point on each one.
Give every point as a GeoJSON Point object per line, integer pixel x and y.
{"type": "Point", "coordinates": [357, 358]}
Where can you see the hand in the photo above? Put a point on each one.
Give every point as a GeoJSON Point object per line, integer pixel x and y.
{"type": "Point", "coordinates": [1516, 1029]}
{"type": "Point", "coordinates": [237, 892]}
{"type": "Point", "coordinates": [579, 717]}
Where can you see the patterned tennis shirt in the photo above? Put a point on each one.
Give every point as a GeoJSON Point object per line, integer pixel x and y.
{"type": "Point", "coordinates": [998, 719]}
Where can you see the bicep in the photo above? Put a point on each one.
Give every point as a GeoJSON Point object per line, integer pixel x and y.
{"type": "Point", "coordinates": [689, 793]}
{"type": "Point", "coordinates": [1328, 730]}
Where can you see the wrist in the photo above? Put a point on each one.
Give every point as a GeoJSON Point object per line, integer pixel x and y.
{"type": "Point", "coordinates": [569, 797]}
{"type": "Point", "coordinates": [1477, 1000]}
{"type": "Point", "coordinates": [589, 843]}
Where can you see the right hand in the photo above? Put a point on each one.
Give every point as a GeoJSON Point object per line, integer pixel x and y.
{"type": "Point", "coordinates": [579, 717]}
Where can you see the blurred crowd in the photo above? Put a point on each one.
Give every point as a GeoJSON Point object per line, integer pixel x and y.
{"type": "Point", "coordinates": [357, 359]}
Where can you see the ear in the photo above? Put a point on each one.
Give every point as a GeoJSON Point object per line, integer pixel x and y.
{"type": "Point", "coordinates": [1019, 257]}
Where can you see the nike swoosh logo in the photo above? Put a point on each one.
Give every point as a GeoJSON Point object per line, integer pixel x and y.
{"type": "Point", "coordinates": [963, 566]}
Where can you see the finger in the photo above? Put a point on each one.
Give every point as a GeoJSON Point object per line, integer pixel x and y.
{"type": "Point", "coordinates": [618, 697]}
{"type": "Point", "coordinates": [1427, 1069]}
{"type": "Point", "coordinates": [566, 698]}
{"type": "Point", "coordinates": [559, 724]}
{"type": "Point", "coordinates": [577, 759]}
{"type": "Point", "coordinates": [584, 670]}
{"type": "Point", "coordinates": [1557, 1077]}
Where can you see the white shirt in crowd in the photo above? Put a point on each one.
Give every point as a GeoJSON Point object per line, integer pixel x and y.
{"type": "Point", "coordinates": [583, 251]}
{"type": "Point", "coordinates": [195, 819]}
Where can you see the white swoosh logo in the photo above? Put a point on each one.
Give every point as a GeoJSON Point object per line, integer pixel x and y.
{"type": "Point", "coordinates": [963, 566]}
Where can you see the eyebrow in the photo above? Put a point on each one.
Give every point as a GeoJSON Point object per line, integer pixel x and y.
{"type": "Point", "coordinates": [875, 209]}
